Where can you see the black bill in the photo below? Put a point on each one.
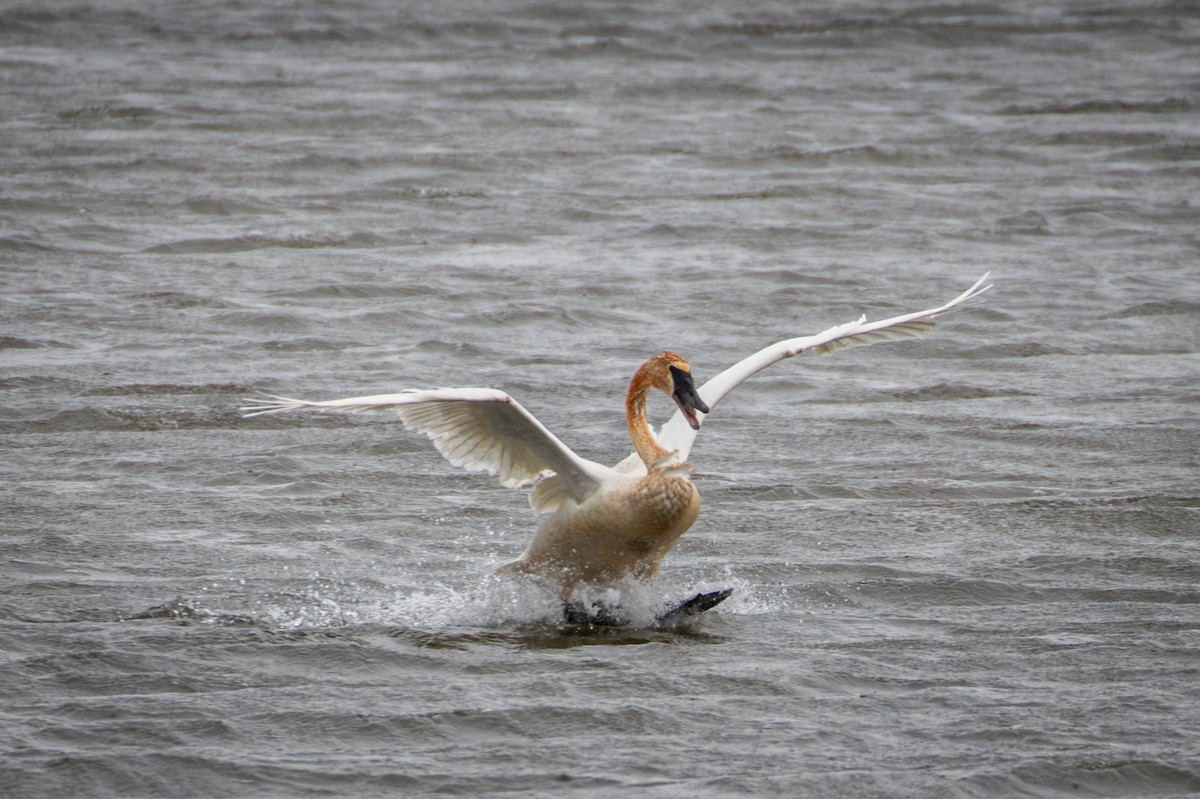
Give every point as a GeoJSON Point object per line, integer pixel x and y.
{"type": "Point", "coordinates": [686, 398]}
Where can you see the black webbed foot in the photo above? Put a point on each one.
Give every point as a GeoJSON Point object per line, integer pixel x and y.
{"type": "Point", "coordinates": [603, 614]}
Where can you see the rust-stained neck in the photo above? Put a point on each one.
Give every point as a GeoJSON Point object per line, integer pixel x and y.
{"type": "Point", "coordinates": [654, 373]}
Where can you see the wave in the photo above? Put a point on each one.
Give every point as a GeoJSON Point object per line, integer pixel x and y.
{"type": "Point", "coordinates": [24, 244]}
{"type": "Point", "coordinates": [1160, 308]}
{"type": "Point", "coordinates": [247, 242]}
{"type": "Point", "coordinates": [181, 300]}
{"type": "Point", "coordinates": [22, 343]}
{"type": "Point", "coordinates": [953, 391]}
{"type": "Point", "coordinates": [1105, 105]}
{"type": "Point", "coordinates": [95, 419]}
{"type": "Point", "coordinates": [1063, 775]}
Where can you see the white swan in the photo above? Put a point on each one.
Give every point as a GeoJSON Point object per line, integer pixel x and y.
{"type": "Point", "coordinates": [606, 522]}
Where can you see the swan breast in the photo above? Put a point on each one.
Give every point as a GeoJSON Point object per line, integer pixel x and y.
{"type": "Point", "coordinates": [627, 529]}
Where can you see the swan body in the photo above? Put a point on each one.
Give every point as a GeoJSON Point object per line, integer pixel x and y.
{"type": "Point", "coordinates": [627, 528]}
{"type": "Point", "coordinates": [605, 522]}
{"type": "Point", "coordinates": [631, 522]}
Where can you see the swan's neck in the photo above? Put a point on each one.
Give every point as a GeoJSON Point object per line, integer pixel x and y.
{"type": "Point", "coordinates": [644, 443]}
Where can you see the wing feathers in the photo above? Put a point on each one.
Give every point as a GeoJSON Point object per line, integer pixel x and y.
{"type": "Point", "coordinates": [486, 430]}
{"type": "Point", "coordinates": [677, 434]}
{"type": "Point", "coordinates": [914, 329]}
{"type": "Point", "coordinates": [475, 428]}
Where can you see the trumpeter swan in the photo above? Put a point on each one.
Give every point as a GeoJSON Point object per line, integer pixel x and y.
{"type": "Point", "coordinates": [605, 522]}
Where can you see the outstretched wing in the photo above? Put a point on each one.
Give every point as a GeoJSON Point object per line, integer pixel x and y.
{"type": "Point", "coordinates": [478, 429]}
{"type": "Point", "coordinates": [678, 434]}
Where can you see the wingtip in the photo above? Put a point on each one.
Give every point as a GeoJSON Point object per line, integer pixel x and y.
{"type": "Point", "coordinates": [265, 404]}
{"type": "Point", "coordinates": [968, 297]}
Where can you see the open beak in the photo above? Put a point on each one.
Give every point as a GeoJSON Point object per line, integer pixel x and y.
{"type": "Point", "coordinates": [686, 398]}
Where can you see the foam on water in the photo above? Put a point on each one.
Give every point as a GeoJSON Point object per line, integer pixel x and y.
{"type": "Point", "coordinates": [491, 603]}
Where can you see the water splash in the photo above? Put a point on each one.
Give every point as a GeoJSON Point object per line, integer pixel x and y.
{"type": "Point", "coordinates": [489, 602]}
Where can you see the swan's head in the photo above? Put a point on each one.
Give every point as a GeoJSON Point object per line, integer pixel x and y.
{"type": "Point", "coordinates": [671, 374]}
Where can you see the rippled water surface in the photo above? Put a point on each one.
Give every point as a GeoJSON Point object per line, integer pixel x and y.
{"type": "Point", "coordinates": [964, 566]}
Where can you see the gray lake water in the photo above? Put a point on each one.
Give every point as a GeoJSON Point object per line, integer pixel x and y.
{"type": "Point", "coordinates": [964, 566]}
